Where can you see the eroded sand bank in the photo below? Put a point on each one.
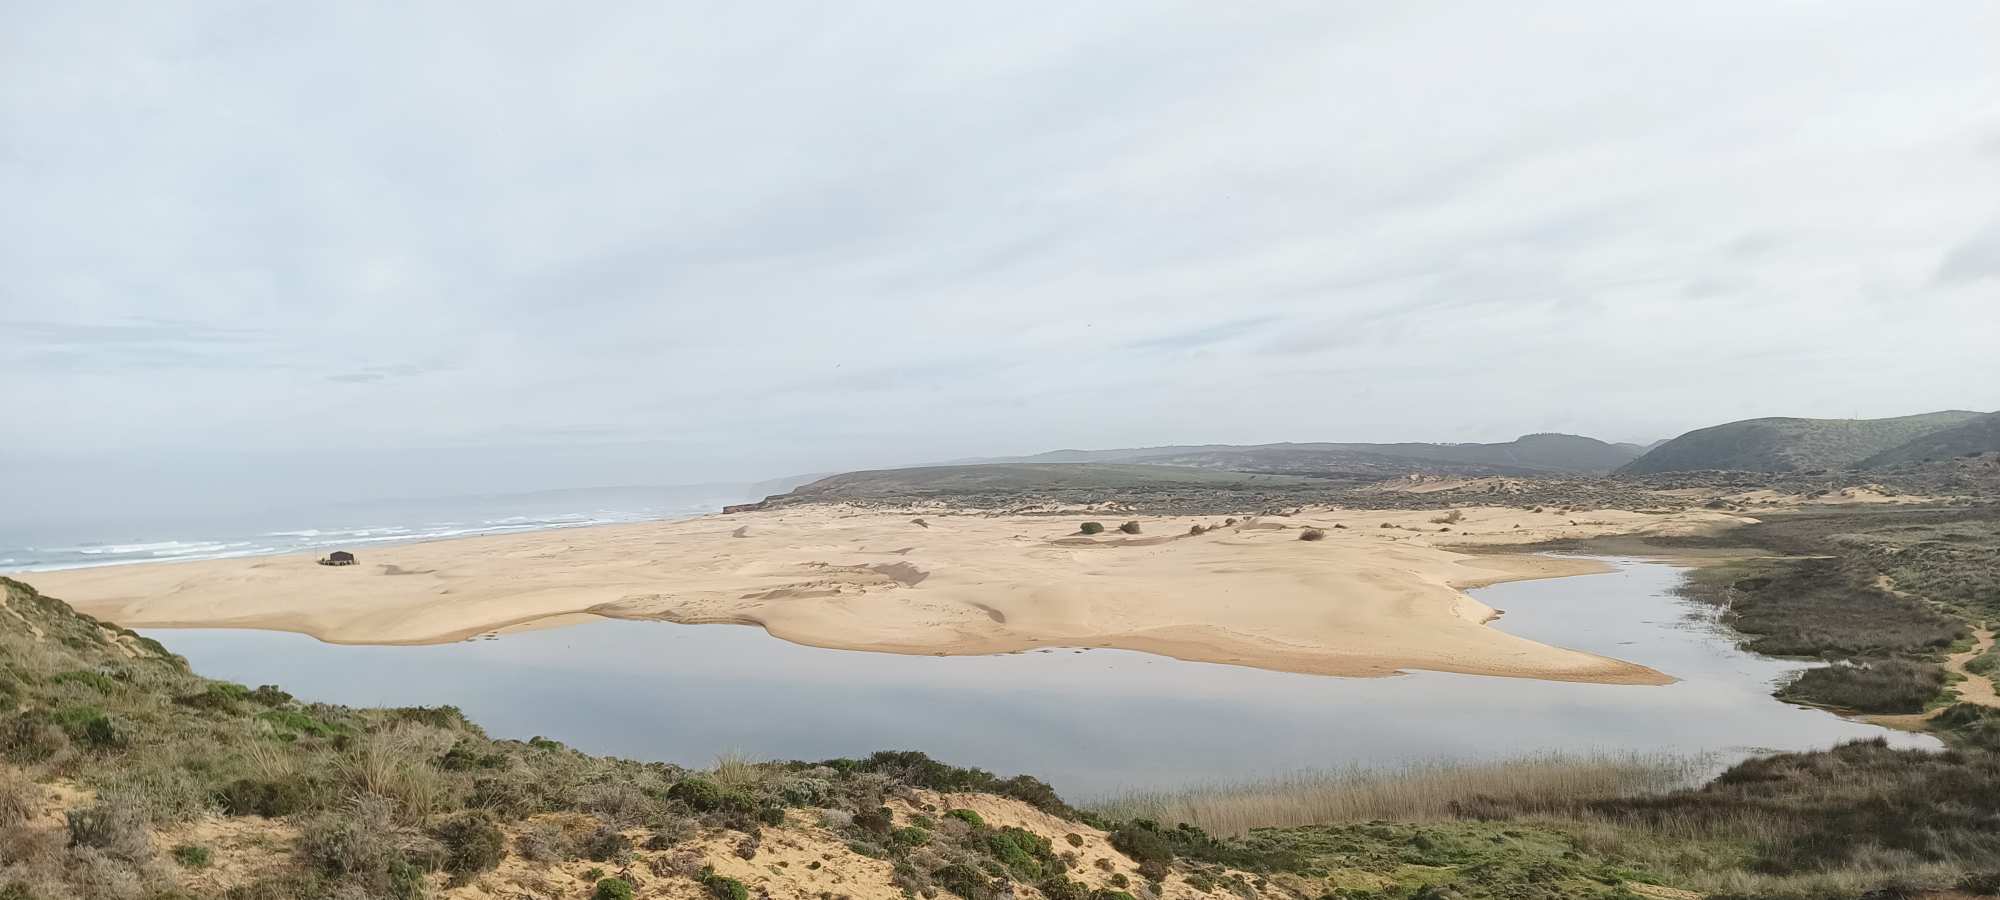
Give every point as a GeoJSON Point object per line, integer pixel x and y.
{"type": "Point", "coordinates": [1367, 600]}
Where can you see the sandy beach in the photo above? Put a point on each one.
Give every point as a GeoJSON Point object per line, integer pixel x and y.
{"type": "Point", "coordinates": [1368, 600]}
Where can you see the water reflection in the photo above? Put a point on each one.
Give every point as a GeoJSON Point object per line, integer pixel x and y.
{"type": "Point", "coordinates": [1088, 722]}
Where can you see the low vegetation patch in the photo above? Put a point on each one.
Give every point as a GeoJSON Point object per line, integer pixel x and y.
{"type": "Point", "coordinates": [1881, 686]}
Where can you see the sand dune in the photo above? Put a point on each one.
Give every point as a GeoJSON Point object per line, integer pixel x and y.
{"type": "Point", "coordinates": [1367, 600]}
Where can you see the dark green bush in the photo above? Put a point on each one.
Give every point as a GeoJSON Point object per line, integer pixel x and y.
{"type": "Point", "coordinates": [967, 816]}
{"type": "Point", "coordinates": [96, 681]}
{"type": "Point", "coordinates": [1026, 854]}
{"type": "Point", "coordinates": [472, 842]}
{"type": "Point", "coordinates": [964, 881]}
{"type": "Point", "coordinates": [1092, 528]}
{"type": "Point", "coordinates": [910, 836]}
{"type": "Point", "coordinates": [612, 889]}
{"type": "Point", "coordinates": [1129, 528]}
{"type": "Point", "coordinates": [270, 799]}
{"type": "Point", "coordinates": [722, 887]}
{"type": "Point", "coordinates": [700, 794]}
{"type": "Point", "coordinates": [1058, 887]}
{"type": "Point", "coordinates": [1312, 534]}
{"type": "Point", "coordinates": [217, 696]}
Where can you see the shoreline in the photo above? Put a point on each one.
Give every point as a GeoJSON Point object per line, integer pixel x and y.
{"type": "Point", "coordinates": [1364, 602]}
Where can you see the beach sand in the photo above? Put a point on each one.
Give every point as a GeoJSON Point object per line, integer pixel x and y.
{"type": "Point", "coordinates": [1367, 600]}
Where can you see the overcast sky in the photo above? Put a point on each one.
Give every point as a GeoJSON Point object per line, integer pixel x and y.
{"type": "Point", "coordinates": [442, 245]}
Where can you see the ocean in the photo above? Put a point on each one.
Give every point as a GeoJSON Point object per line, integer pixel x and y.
{"type": "Point", "coordinates": [28, 546]}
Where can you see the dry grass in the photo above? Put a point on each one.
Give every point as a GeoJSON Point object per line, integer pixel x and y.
{"type": "Point", "coordinates": [1417, 792]}
{"type": "Point", "coordinates": [737, 770]}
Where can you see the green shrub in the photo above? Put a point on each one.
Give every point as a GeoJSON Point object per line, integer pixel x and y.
{"type": "Point", "coordinates": [700, 794]}
{"type": "Point", "coordinates": [217, 696]}
{"type": "Point", "coordinates": [1092, 528]}
{"type": "Point", "coordinates": [876, 821]}
{"type": "Point", "coordinates": [1129, 528]}
{"type": "Point", "coordinates": [290, 723]}
{"type": "Point", "coordinates": [964, 881]}
{"type": "Point", "coordinates": [270, 799]}
{"type": "Point", "coordinates": [967, 816]}
{"type": "Point", "coordinates": [191, 856]}
{"type": "Point", "coordinates": [1058, 887]}
{"type": "Point", "coordinates": [910, 836]}
{"type": "Point", "coordinates": [270, 695]}
{"type": "Point", "coordinates": [722, 887]}
{"type": "Point", "coordinates": [612, 889]}
{"type": "Point", "coordinates": [91, 727]}
{"type": "Point", "coordinates": [1024, 853]}
{"type": "Point", "coordinates": [472, 842]}
{"type": "Point", "coordinates": [95, 681]}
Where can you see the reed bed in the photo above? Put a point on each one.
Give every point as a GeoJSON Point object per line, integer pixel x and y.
{"type": "Point", "coordinates": [1422, 791]}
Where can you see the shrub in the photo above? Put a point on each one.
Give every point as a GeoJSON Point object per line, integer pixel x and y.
{"type": "Point", "coordinates": [1092, 528]}
{"type": "Point", "coordinates": [1074, 839]}
{"type": "Point", "coordinates": [358, 845]}
{"type": "Point", "coordinates": [1142, 841]}
{"type": "Point", "coordinates": [967, 816]}
{"type": "Point", "coordinates": [1450, 518]}
{"type": "Point", "coordinates": [472, 842]}
{"type": "Point", "coordinates": [1195, 529]}
{"type": "Point", "coordinates": [722, 887]}
{"type": "Point", "coordinates": [606, 844]}
{"type": "Point", "coordinates": [1312, 534]}
{"type": "Point", "coordinates": [1058, 887]}
{"type": "Point", "coordinates": [612, 889]}
{"type": "Point", "coordinates": [270, 799]}
{"type": "Point", "coordinates": [218, 696]}
{"type": "Point", "coordinates": [96, 681]}
{"type": "Point", "coordinates": [20, 799]}
{"type": "Point", "coordinates": [30, 741]}
{"type": "Point", "coordinates": [113, 826]}
{"type": "Point", "coordinates": [270, 695]}
{"type": "Point", "coordinates": [910, 836]}
{"type": "Point", "coordinates": [700, 794]}
{"type": "Point", "coordinates": [1129, 528]}
{"type": "Point", "coordinates": [191, 856]}
{"type": "Point", "coordinates": [89, 726]}
{"type": "Point", "coordinates": [964, 881]}
{"type": "Point", "coordinates": [544, 842]}
{"type": "Point", "coordinates": [1023, 852]}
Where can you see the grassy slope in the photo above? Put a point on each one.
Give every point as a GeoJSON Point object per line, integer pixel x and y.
{"type": "Point", "coordinates": [1789, 445]}
{"type": "Point", "coordinates": [1979, 435]}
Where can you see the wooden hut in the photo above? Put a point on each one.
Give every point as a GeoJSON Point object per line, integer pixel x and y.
{"type": "Point", "coordinates": [338, 558]}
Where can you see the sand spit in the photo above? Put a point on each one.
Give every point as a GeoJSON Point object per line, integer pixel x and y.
{"type": "Point", "coordinates": [1377, 596]}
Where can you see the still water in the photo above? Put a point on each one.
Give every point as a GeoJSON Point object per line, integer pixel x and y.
{"type": "Point", "coordinates": [1089, 722]}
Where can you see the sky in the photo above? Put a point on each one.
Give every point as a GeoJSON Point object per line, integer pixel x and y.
{"type": "Point", "coordinates": [271, 248]}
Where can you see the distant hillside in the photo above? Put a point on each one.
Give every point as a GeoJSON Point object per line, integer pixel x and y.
{"type": "Point", "coordinates": [1024, 477]}
{"type": "Point", "coordinates": [1977, 435]}
{"type": "Point", "coordinates": [1790, 445]}
{"type": "Point", "coordinates": [1524, 455]}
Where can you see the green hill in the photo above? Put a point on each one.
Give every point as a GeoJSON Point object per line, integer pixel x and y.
{"type": "Point", "coordinates": [1790, 445]}
{"type": "Point", "coordinates": [1978, 435]}
{"type": "Point", "coordinates": [1027, 477]}
{"type": "Point", "coordinates": [1524, 455]}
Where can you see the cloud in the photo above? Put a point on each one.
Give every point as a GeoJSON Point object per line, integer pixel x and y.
{"type": "Point", "coordinates": [764, 241]}
{"type": "Point", "coordinates": [1976, 259]}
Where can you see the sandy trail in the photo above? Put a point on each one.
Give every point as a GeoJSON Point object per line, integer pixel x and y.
{"type": "Point", "coordinates": [1377, 596]}
{"type": "Point", "coordinates": [1975, 688]}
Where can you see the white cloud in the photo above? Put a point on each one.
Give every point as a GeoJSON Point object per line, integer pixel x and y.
{"type": "Point", "coordinates": [806, 238]}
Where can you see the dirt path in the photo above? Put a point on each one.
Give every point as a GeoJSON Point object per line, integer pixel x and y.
{"type": "Point", "coordinates": [1975, 688]}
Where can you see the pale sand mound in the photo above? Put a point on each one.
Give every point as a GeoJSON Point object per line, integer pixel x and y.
{"type": "Point", "coordinates": [1367, 600]}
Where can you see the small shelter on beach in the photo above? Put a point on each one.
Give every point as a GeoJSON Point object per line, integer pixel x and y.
{"type": "Point", "coordinates": [338, 558]}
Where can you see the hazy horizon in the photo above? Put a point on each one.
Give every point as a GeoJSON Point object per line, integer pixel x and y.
{"type": "Point", "coordinates": [286, 254]}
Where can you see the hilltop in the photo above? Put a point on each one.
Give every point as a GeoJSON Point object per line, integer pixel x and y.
{"type": "Point", "coordinates": [1528, 454]}
{"type": "Point", "coordinates": [1790, 444]}
{"type": "Point", "coordinates": [1968, 438]}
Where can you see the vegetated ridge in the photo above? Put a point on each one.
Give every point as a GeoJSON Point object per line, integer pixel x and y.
{"type": "Point", "coordinates": [1782, 444]}
{"type": "Point", "coordinates": [1526, 454]}
{"type": "Point", "coordinates": [1968, 438]}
